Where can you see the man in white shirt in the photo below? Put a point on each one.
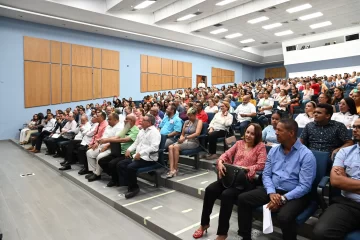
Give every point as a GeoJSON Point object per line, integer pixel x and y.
{"type": "Point", "coordinates": [202, 84]}
{"type": "Point", "coordinates": [146, 148]}
{"type": "Point", "coordinates": [245, 112]}
{"type": "Point", "coordinates": [46, 131]}
{"type": "Point", "coordinates": [82, 138]}
{"type": "Point", "coordinates": [103, 150]}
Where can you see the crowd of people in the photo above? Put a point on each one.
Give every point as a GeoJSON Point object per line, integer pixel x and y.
{"type": "Point", "coordinates": [266, 112]}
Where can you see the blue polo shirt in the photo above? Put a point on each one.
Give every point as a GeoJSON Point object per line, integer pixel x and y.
{"type": "Point", "coordinates": [169, 125]}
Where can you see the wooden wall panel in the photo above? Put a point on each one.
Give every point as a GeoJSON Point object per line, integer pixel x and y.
{"type": "Point", "coordinates": [144, 63]}
{"type": "Point", "coordinates": [166, 82]}
{"type": "Point", "coordinates": [154, 65]}
{"type": "Point", "coordinates": [97, 83]}
{"type": "Point", "coordinates": [180, 69]}
{"type": "Point", "coordinates": [187, 69]}
{"type": "Point", "coordinates": [166, 67]}
{"type": "Point", "coordinates": [55, 52]}
{"type": "Point", "coordinates": [81, 83]}
{"type": "Point", "coordinates": [110, 59]}
{"type": "Point", "coordinates": [175, 82]}
{"type": "Point", "coordinates": [36, 49]}
{"type": "Point", "coordinates": [81, 55]}
{"type": "Point", "coordinates": [37, 84]}
{"type": "Point", "coordinates": [55, 84]}
{"type": "Point", "coordinates": [96, 57]}
{"type": "Point", "coordinates": [66, 53]}
{"type": "Point", "coordinates": [188, 82]}
{"type": "Point", "coordinates": [175, 68]}
{"type": "Point", "coordinates": [144, 82]}
{"type": "Point", "coordinates": [110, 83]}
{"type": "Point", "coordinates": [154, 82]}
{"type": "Point", "coordinates": [65, 83]}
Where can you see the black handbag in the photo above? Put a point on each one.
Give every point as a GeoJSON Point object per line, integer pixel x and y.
{"type": "Point", "coordinates": [235, 177]}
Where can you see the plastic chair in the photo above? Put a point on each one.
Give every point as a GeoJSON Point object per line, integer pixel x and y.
{"type": "Point", "coordinates": [210, 116]}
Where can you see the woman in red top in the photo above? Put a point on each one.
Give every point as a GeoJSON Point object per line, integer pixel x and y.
{"type": "Point", "coordinates": [250, 154]}
{"type": "Point", "coordinates": [315, 86]}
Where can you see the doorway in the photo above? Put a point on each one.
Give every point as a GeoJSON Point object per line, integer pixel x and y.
{"type": "Point", "coordinates": [199, 79]}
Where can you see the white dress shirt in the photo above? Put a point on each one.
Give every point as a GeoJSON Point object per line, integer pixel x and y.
{"type": "Point", "coordinates": [266, 103]}
{"type": "Point", "coordinates": [49, 126]}
{"type": "Point", "coordinates": [89, 135]}
{"type": "Point", "coordinates": [245, 108]}
{"type": "Point", "coordinates": [83, 129]}
{"type": "Point", "coordinates": [282, 99]}
{"type": "Point", "coordinates": [302, 119]}
{"type": "Point", "coordinates": [147, 143]}
{"type": "Point", "coordinates": [201, 85]}
{"type": "Point", "coordinates": [346, 118]}
{"type": "Point", "coordinates": [213, 109]}
{"type": "Point", "coordinates": [221, 122]}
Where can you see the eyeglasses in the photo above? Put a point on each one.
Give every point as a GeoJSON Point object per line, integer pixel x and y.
{"type": "Point", "coordinates": [357, 127]}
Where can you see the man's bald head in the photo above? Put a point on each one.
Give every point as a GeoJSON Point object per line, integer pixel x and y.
{"type": "Point", "coordinates": [131, 118]}
{"type": "Point", "coordinates": [246, 98]}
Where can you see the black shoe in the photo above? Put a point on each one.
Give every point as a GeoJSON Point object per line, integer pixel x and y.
{"type": "Point", "coordinates": [49, 153]}
{"type": "Point", "coordinates": [94, 177]}
{"type": "Point", "coordinates": [63, 163]}
{"type": "Point", "coordinates": [133, 193]}
{"type": "Point", "coordinates": [112, 184]}
{"type": "Point", "coordinates": [89, 175]}
{"type": "Point", "coordinates": [65, 167]}
{"type": "Point", "coordinates": [56, 155]}
{"type": "Point", "coordinates": [83, 171]}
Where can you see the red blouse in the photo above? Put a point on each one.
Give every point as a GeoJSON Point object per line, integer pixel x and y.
{"type": "Point", "coordinates": [254, 159]}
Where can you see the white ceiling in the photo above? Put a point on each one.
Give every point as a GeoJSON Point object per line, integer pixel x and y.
{"type": "Point", "coordinates": [157, 23]}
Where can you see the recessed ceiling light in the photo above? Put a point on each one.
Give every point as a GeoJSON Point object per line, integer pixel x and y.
{"type": "Point", "coordinates": [256, 20]}
{"type": "Point", "coordinates": [145, 4]}
{"type": "Point", "coordinates": [274, 25]}
{"type": "Point", "coordinates": [299, 8]}
{"type": "Point", "coordinates": [217, 31]}
{"type": "Point", "coordinates": [287, 32]}
{"type": "Point", "coordinates": [186, 17]}
{"type": "Point", "coordinates": [234, 35]}
{"type": "Point", "coordinates": [222, 3]}
{"type": "Point", "coordinates": [310, 16]}
{"type": "Point", "coordinates": [247, 40]}
{"type": "Point", "coordinates": [319, 25]}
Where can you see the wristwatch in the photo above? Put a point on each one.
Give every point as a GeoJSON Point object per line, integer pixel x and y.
{"type": "Point", "coordinates": [283, 200]}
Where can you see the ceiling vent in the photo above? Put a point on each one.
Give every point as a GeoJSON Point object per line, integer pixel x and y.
{"type": "Point", "coordinates": [264, 42]}
{"type": "Point", "coordinates": [262, 11]}
{"type": "Point", "coordinates": [272, 8]}
{"type": "Point", "coordinates": [198, 13]}
{"type": "Point", "coordinates": [197, 31]}
{"type": "Point", "coordinates": [286, 22]}
{"type": "Point", "coordinates": [218, 25]}
{"type": "Point", "coordinates": [295, 20]}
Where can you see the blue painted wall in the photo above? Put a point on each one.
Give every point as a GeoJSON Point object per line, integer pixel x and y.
{"type": "Point", "coordinates": [12, 70]}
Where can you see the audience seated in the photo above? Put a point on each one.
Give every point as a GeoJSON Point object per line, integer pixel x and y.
{"type": "Point", "coordinates": [283, 100]}
{"type": "Point", "coordinates": [304, 118]}
{"type": "Point", "coordinates": [288, 175]}
{"type": "Point", "coordinates": [347, 112]}
{"type": "Point", "coordinates": [218, 128]}
{"type": "Point", "coordinates": [171, 125]}
{"type": "Point", "coordinates": [103, 149]}
{"type": "Point", "coordinates": [356, 97]}
{"type": "Point", "coordinates": [155, 112]}
{"type": "Point", "coordinates": [249, 154]}
{"type": "Point", "coordinates": [269, 133]}
{"type": "Point", "coordinates": [188, 140]}
{"type": "Point", "coordinates": [61, 122]}
{"type": "Point", "coordinates": [307, 93]}
{"type": "Point", "coordinates": [295, 99]}
{"type": "Point", "coordinates": [324, 134]}
{"type": "Point", "coordinates": [342, 216]}
{"type": "Point", "coordinates": [50, 125]}
{"type": "Point", "coordinates": [338, 95]}
{"type": "Point", "coordinates": [244, 112]}
{"type": "Point", "coordinates": [211, 108]}
{"type": "Point", "coordinates": [201, 115]}
{"type": "Point", "coordinates": [146, 147]}
{"type": "Point", "coordinates": [30, 128]}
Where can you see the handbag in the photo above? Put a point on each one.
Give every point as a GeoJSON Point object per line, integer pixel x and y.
{"type": "Point", "coordinates": [235, 177]}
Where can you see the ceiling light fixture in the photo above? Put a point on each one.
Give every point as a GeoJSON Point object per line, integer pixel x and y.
{"type": "Point", "coordinates": [222, 3]}
{"type": "Point", "coordinates": [310, 16]}
{"type": "Point", "coordinates": [186, 17]}
{"type": "Point", "coordinates": [145, 4]}
{"type": "Point", "coordinates": [319, 25]}
{"type": "Point", "coordinates": [257, 20]}
{"type": "Point", "coordinates": [247, 40]}
{"type": "Point", "coordinates": [274, 25]}
{"type": "Point", "coordinates": [217, 31]}
{"type": "Point", "coordinates": [234, 35]}
{"type": "Point", "coordinates": [287, 32]}
{"type": "Point", "coordinates": [299, 8]}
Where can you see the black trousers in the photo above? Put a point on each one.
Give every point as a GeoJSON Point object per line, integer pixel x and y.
{"type": "Point", "coordinates": [33, 138]}
{"type": "Point", "coordinates": [69, 153]}
{"type": "Point", "coordinates": [82, 156]}
{"type": "Point", "coordinates": [227, 196]}
{"type": "Point", "coordinates": [52, 143]}
{"type": "Point", "coordinates": [40, 138]}
{"type": "Point", "coordinates": [127, 169]}
{"type": "Point", "coordinates": [212, 139]}
{"type": "Point", "coordinates": [286, 215]}
{"type": "Point", "coordinates": [108, 164]}
{"type": "Point", "coordinates": [341, 218]}
{"type": "Point", "coordinates": [243, 125]}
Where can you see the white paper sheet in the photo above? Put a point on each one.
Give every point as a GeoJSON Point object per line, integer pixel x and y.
{"type": "Point", "coordinates": [55, 135]}
{"type": "Point", "coordinates": [267, 221]}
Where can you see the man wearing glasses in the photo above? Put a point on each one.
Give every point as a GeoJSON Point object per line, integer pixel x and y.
{"type": "Point", "coordinates": [345, 175]}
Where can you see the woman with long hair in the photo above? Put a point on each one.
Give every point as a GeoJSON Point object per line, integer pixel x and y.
{"type": "Point", "coordinates": [269, 133]}
{"type": "Point", "coordinates": [338, 95]}
{"type": "Point", "coordinates": [304, 118]}
{"type": "Point", "coordinates": [26, 131]}
{"type": "Point", "coordinates": [347, 112]}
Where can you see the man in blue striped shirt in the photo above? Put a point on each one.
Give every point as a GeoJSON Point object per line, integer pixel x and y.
{"type": "Point", "coordinates": [290, 170]}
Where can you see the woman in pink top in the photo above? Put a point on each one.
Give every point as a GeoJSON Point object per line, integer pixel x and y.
{"type": "Point", "coordinates": [250, 154]}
